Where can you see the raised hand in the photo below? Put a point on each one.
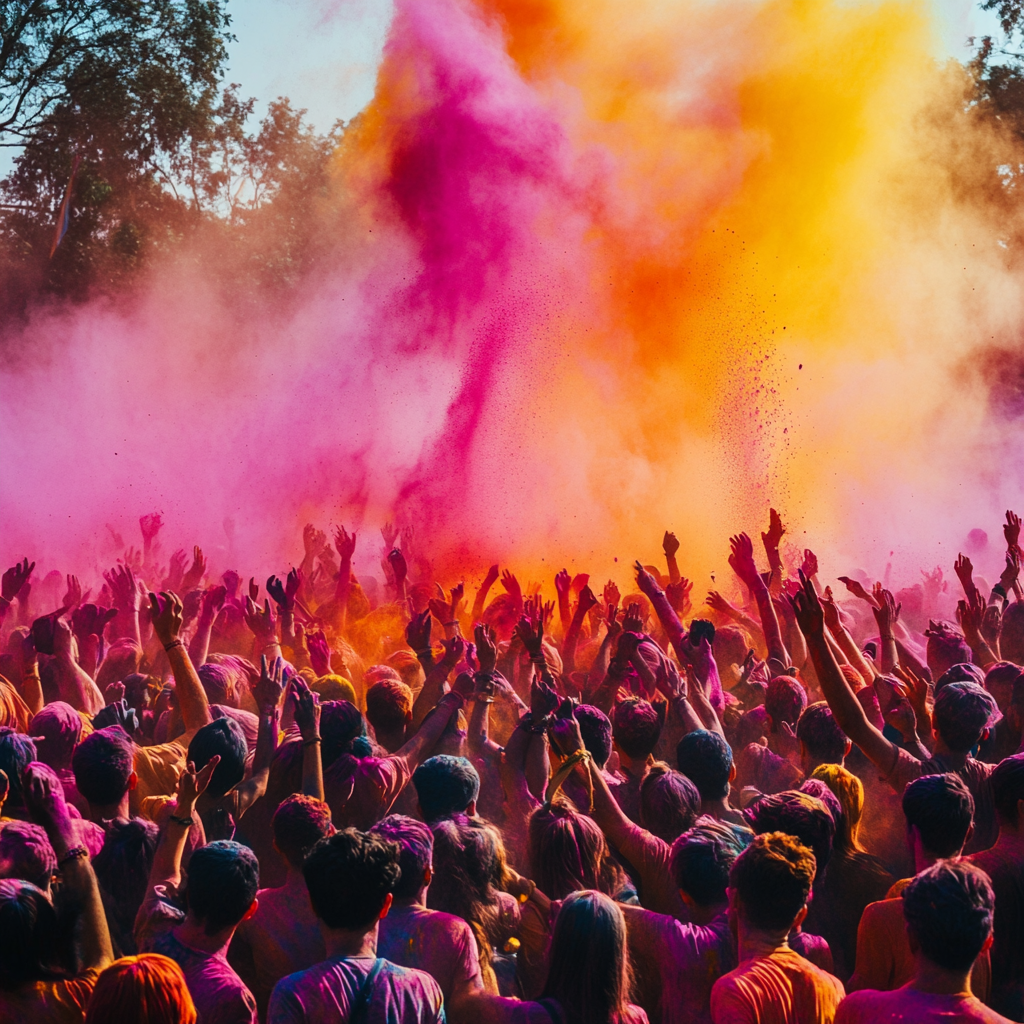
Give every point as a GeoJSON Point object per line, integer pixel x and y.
{"type": "Point", "coordinates": [73, 596]}
{"type": "Point", "coordinates": [417, 632]}
{"type": "Point", "coordinates": [587, 600]}
{"type": "Point", "coordinates": [263, 624]}
{"type": "Point", "coordinates": [453, 650]}
{"type": "Point", "coordinates": [319, 653]}
{"type": "Point", "coordinates": [457, 593]}
{"type": "Point", "coordinates": [543, 699]}
{"type": "Point", "coordinates": [313, 541]}
{"type": "Point", "coordinates": [398, 566]}
{"type": "Point", "coordinates": [512, 587]}
{"type": "Point", "coordinates": [565, 731]}
{"type": "Point", "coordinates": [856, 588]}
{"type": "Point", "coordinates": [717, 603]}
{"type": "Point", "coordinates": [611, 595]}
{"type": "Point", "coordinates": [486, 647]}
{"type": "Point", "coordinates": [646, 583]}
{"type": "Point", "coordinates": [196, 571]}
{"type": "Point", "coordinates": [192, 785]}
{"type": "Point", "coordinates": [632, 621]}
{"type": "Point", "coordinates": [886, 610]}
{"type": "Point", "coordinates": [491, 578]}
{"type": "Point", "coordinates": [254, 590]}
{"type": "Point", "coordinates": [213, 600]}
{"type": "Point", "coordinates": [344, 543]}
{"type": "Point", "coordinates": [669, 544]}
{"type": "Point", "coordinates": [810, 563]}
{"type": "Point", "coordinates": [678, 595]}
{"type": "Point", "coordinates": [44, 799]}
{"type": "Point", "coordinates": [830, 610]}
{"type": "Point", "coordinates": [807, 610]}
{"type": "Point", "coordinates": [464, 686]}
{"type": "Point", "coordinates": [1012, 570]}
{"type": "Point", "coordinates": [117, 712]}
{"type": "Point", "coordinates": [90, 620]}
{"type": "Point", "coordinates": [742, 560]}
{"type": "Point", "coordinates": [268, 689]}
{"type": "Point", "coordinates": [390, 534]}
{"type": "Point", "coordinates": [123, 587]}
{"type": "Point", "coordinates": [284, 593]}
{"type": "Point", "coordinates": [306, 706]}
{"type": "Point", "coordinates": [1011, 530]}
{"type": "Point", "coordinates": [15, 578]}
{"type": "Point", "coordinates": [165, 611]}
{"type": "Point", "coordinates": [530, 632]}
{"type": "Point", "coordinates": [150, 525]}
{"type": "Point", "coordinates": [563, 581]}
{"type": "Point", "coordinates": [964, 570]}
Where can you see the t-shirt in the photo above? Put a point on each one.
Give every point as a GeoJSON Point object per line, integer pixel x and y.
{"type": "Point", "coordinates": [220, 995]}
{"type": "Point", "coordinates": [975, 774]}
{"type": "Point", "coordinates": [908, 1006]}
{"type": "Point", "coordinates": [780, 988]}
{"type": "Point", "coordinates": [440, 944]}
{"type": "Point", "coordinates": [677, 964]}
{"type": "Point", "coordinates": [324, 993]}
{"type": "Point", "coordinates": [50, 1002]}
{"type": "Point", "coordinates": [361, 798]}
{"type": "Point", "coordinates": [625, 788]}
{"type": "Point", "coordinates": [158, 768]}
{"type": "Point", "coordinates": [281, 938]}
{"type": "Point", "coordinates": [501, 1010]}
{"type": "Point", "coordinates": [763, 769]}
{"type": "Point", "coordinates": [651, 858]}
{"type": "Point", "coordinates": [884, 959]}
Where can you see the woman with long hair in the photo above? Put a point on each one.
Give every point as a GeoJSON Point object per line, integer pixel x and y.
{"type": "Point", "coordinates": [146, 989]}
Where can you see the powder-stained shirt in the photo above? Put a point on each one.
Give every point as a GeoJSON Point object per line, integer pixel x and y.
{"type": "Point", "coordinates": [440, 944]}
{"type": "Point", "coordinates": [908, 1006]}
{"type": "Point", "coordinates": [360, 797]}
{"type": "Point", "coordinates": [219, 994]}
{"type": "Point", "coordinates": [651, 859]}
{"type": "Point", "coordinates": [679, 963]}
{"type": "Point", "coordinates": [50, 1002]}
{"type": "Point", "coordinates": [158, 768]}
{"type": "Point", "coordinates": [781, 988]}
{"type": "Point", "coordinates": [325, 993]}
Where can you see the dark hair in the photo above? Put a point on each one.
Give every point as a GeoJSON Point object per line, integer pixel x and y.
{"type": "Point", "coordinates": [820, 791]}
{"type": "Point", "coordinates": [223, 878]}
{"type": "Point", "coordinates": [706, 760]}
{"type": "Point", "coordinates": [596, 732]}
{"type": "Point", "coordinates": [702, 859]}
{"type": "Point", "coordinates": [568, 851]}
{"type": "Point", "coordinates": [589, 975]}
{"type": "Point", "coordinates": [299, 823]}
{"type": "Point", "coordinates": [669, 802]}
{"type": "Point", "coordinates": [349, 876]}
{"type": "Point", "coordinates": [388, 704]}
{"type": "Point", "coordinates": [961, 672]}
{"type": "Point", "coordinates": [223, 736]}
{"type": "Point", "coordinates": [28, 935]}
{"type": "Point", "coordinates": [17, 751]}
{"type": "Point", "coordinates": [416, 843]}
{"type": "Point", "coordinates": [948, 909]}
{"type": "Point", "coordinates": [784, 700]}
{"type": "Point", "coordinates": [961, 714]}
{"type": "Point", "coordinates": [773, 877]}
{"type": "Point", "coordinates": [122, 870]}
{"type": "Point", "coordinates": [1007, 783]}
{"type": "Point", "coordinates": [941, 808]}
{"type": "Point", "coordinates": [636, 726]}
{"type": "Point", "coordinates": [343, 730]}
{"type": "Point", "coordinates": [799, 815]}
{"type": "Point", "coordinates": [445, 786]}
{"type": "Point", "coordinates": [103, 763]}
{"type": "Point", "coordinates": [819, 732]}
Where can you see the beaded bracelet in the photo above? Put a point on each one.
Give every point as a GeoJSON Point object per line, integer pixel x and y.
{"type": "Point", "coordinates": [174, 643]}
{"type": "Point", "coordinates": [75, 853]}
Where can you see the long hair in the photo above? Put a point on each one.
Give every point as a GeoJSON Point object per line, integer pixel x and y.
{"type": "Point", "coordinates": [568, 852]}
{"type": "Point", "coordinates": [122, 871]}
{"type": "Point", "coordinates": [589, 974]}
{"type": "Point", "coordinates": [29, 939]}
{"type": "Point", "coordinates": [849, 791]}
{"type": "Point", "coordinates": [146, 989]}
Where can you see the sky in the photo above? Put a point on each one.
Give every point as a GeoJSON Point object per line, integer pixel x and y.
{"type": "Point", "coordinates": [323, 54]}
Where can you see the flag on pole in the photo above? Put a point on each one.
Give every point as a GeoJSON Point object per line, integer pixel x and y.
{"type": "Point", "coordinates": [64, 216]}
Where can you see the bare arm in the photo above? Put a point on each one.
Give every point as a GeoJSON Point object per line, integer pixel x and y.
{"type": "Point", "coordinates": [742, 562]}
{"type": "Point", "coordinates": [307, 717]}
{"type": "Point", "coordinates": [433, 686]}
{"type": "Point", "coordinates": [587, 600]}
{"type": "Point", "coordinates": [418, 749]}
{"type": "Point", "coordinates": [166, 867]}
{"type": "Point", "coordinates": [76, 685]}
{"type": "Point", "coordinates": [199, 646]}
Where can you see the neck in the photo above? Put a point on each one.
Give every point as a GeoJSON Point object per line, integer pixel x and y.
{"type": "Point", "coordinates": [391, 740]}
{"type": "Point", "coordinates": [753, 942]}
{"type": "Point", "coordinates": [341, 942]}
{"type": "Point", "coordinates": [419, 900]}
{"type": "Point", "coordinates": [295, 879]}
{"type": "Point", "coordinates": [99, 812]}
{"type": "Point", "coordinates": [1011, 835]}
{"type": "Point", "coordinates": [193, 934]}
{"type": "Point", "coordinates": [955, 759]}
{"type": "Point", "coordinates": [929, 977]}
{"type": "Point", "coordinates": [631, 766]}
{"type": "Point", "coordinates": [924, 859]}
{"type": "Point", "coordinates": [705, 915]}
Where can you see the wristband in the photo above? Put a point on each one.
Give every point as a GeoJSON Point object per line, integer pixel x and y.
{"type": "Point", "coordinates": [311, 741]}
{"type": "Point", "coordinates": [183, 822]}
{"type": "Point", "coordinates": [4, 603]}
{"type": "Point", "coordinates": [174, 643]}
{"type": "Point", "coordinates": [75, 853]}
{"type": "Point", "coordinates": [1000, 590]}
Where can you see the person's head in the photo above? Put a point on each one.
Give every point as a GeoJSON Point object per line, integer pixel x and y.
{"type": "Point", "coordinates": [389, 705]}
{"type": "Point", "coordinates": [784, 700]}
{"type": "Point", "coordinates": [343, 731]}
{"type": "Point", "coordinates": [999, 680]}
{"type": "Point", "coordinates": [56, 731]}
{"type": "Point", "coordinates": [962, 713]}
{"type": "Point", "coordinates": [219, 683]}
{"type": "Point", "coordinates": [636, 726]}
{"type": "Point", "coordinates": [799, 815]}
{"type": "Point", "coordinates": [104, 766]}
{"type": "Point", "coordinates": [702, 859]}
{"type": "Point", "coordinates": [706, 760]}
{"type": "Point", "coordinates": [821, 739]}
{"type": "Point", "coordinates": [26, 853]}
{"type": "Point", "coordinates": [961, 672]}
{"type": "Point", "coordinates": [16, 752]}
{"type": "Point", "coordinates": [223, 878]}
{"type": "Point", "coordinates": [144, 989]}
{"type": "Point", "coordinates": [375, 673]}
{"type": "Point", "coordinates": [445, 786]}
{"type": "Point", "coordinates": [589, 974]}
{"type": "Point", "coordinates": [730, 646]}
{"type": "Point", "coordinates": [946, 648]}
{"type": "Point", "coordinates": [334, 688]}
{"type": "Point", "coordinates": [408, 667]}
{"type": "Point", "coordinates": [948, 909]}
{"type": "Point", "coordinates": [1007, 783]}
{"type": "Point", "coordinates": [222, 737]}
{"type": "Point", "coordinates": [939, 810]}
{"type": "Point", "coordinates": [596, 731]}
{"type": "Point", "coordinates": [669, 802]}
{"type": "Point", "coordinates": [122, 870]}
{"type": "Point", "coordinates": [28, 935]}
{"type": "Point", "coordinates": [122, 659]}
{"type": "Point", "coordinates": [1011, 637]}
{"type": "Point", "coordinates": [849, 791]}
{"type": "Point", "coordinates": [818, 789]}
{"type": "Point", "coordinates": [469, 866]}
{"type": "Point", "coordinates": [351, 876]}
{"type": "Point", "coordinates": [299, 823]}
{"type": "Point", "coordinates": [568, 851]}
{"type": "Point", "coordinates": [770, 883]}
{"type": "Point", "coordinates": [416, 845]}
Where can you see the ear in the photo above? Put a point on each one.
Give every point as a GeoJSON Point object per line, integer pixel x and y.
{"type": "Point", "coordinates": [253, 907]}
{"type": "Point", "coordinates": [428, 874]}
{"type": "Point", "coordinates": [687, 898]}
{"type": "Point", "coordinates": [388, 900]}
{"type": "Point", "coordinates": [732, 772]}
{"type": "Point", "coordinates": [471, 809]}
{"type": "Point", "coordinates": [987, 944]}
{"type": "Point", "coordinates": [133, 781]}
{"type": "Point", "coordinates": [799, 919]}
{"type": "Point", "coordinates": [847, 749]}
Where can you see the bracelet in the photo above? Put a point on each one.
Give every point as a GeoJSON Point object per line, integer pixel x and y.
{"type": "Point", "coordinates": [311, 741]}
{"type": "Point", "coordinates": [427, 652]}
{"type": "Point", "coordinates": [889, 637]}
{"type": "Point", "coordinates": [454, 622]}
{"type": "Point", "coordinates": [183, 822]}
{"type": "Point", "coordinates": [1000, 590]}
{"type": "Point", "coordinates": [75, 853]}
{"type": "Point", "coordinates": [174, 643]}
{"type": "Point", "coordinates": [272, 643]}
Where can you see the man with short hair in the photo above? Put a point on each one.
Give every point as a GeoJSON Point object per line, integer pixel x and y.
{"type": "Point", "coordinates": [446, 786]}
{"type": "Point", "coordinates": [389, 710]}
{"type": "Point", "coordinates": [769, 886]}
{"type": "Point", "coordinates": [351, 877]}
{"type": "Point", "coordinates": [821, 740]}
{"type": "Point", "coordinates": [948, 912]}
{"type": "Point", "coordinates": [705, 758]}
{"type": "Point", "coordinates": [636, 727]}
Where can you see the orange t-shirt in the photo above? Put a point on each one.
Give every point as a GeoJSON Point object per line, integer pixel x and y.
{"type": "Point", "coordinates": [781, 988]}
{"type": "Point", "coordinates": [50, 1002]}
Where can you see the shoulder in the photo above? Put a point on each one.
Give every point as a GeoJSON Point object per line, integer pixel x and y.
{"type": "Point", "coordinates": [864, 1005]}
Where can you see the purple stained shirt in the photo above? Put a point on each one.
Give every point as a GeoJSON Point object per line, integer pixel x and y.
{"type": "Point", "coordinates": [324, 995]}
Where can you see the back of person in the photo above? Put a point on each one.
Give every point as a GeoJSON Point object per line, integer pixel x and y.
{"type": "Point", "coordinates": [907, 1004]}
{"type": "Point", "coordinates": [781, 988]}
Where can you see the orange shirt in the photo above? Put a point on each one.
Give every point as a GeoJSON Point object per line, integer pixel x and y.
{"type": "Point", "coordinates": [50, 1002]}
{"type": "Point", "coordinates": [781, 988]}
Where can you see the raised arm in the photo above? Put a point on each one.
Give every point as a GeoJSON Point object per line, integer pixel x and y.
{"type": "Point", "coordinates": [670, 545]}
{"type": "Point", "coordinates": [199, 645]}
{"type": "Point", "coordinates": [674, 630]}
{"type": "Point", "coordinates": [433, 686]}
{"type": "Point", "coordinates": [742, 562]}
{"type": "Point", "coordinates": [191, 697]}
{"type": "Point", "coordinates": [125, 592]}
{"type": "Point", "coordinates": [586, 601]}
{"type": "Point", "coordinates": [843, 639]}
{"type": "Point", "coordinates": [13, 580]}
{"type": "Point", "coordinates": [76, 685]}
{"type": "Point", "coordinates": [417, 749]}
{"type": "Point", "coordinates": [771, 541]}
{"type": "Point", "coordinates": [887, 613]}
{"type": "Point", "coordinates": [166, 868]}
{"type": "Point", "coordinates": [481, 595]}
{"type": "Point", "coordinates": [345, 544]}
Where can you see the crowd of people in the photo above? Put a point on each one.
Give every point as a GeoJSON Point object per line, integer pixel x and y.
{"type": "Point", "coordinates": [366, 799]}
